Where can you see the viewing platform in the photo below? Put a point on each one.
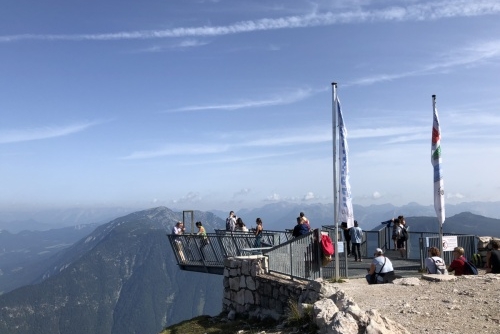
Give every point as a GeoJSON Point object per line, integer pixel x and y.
{"type": "Point", "coordinates": [301, 257]}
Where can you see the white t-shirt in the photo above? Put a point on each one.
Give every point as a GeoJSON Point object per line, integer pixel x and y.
{"type": "Point", "coordinates": [379, 262]}
{"type": "Point", "coordinates": [176, 230]}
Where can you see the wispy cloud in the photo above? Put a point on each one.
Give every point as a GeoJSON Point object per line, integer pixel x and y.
{"type": "Point", "coordinates": [13, 136]}
{"type": "Point", "coordinates": [386, 131]}
{"type": "Point", "coordinates": [418, 12]}
{"type": "Point", "coordinates": [474, 117]}
{"type": "Point", "coordinates": [178, 149]}
{"type": "Point", "coordinates": [181, 45]}
{"type": "Point", "coordinates": [286, 98]}
{"type": "Point", "coordinates": [190, 197]}
{"type": "Point", "coordinates": [220, 146]}
{"type": "Point", "coordinates": [317, 135]}
{"type": "Point", "coordinates": [472, 55]}
{"type": "Point", "coordinates": [280, 140]}
{"type": "Point", "coordinates": [237, 159]}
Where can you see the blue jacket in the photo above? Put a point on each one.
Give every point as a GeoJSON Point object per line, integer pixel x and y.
{"type": "Point", "coordinates": [356, 235]}
{"type": "Point", "coordinates": [300, 229]}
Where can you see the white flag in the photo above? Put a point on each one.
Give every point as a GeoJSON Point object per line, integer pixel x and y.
{"type": "Point", "coordinates": [345, 203]}
{"type": "Point", "coordinates": [436, 164]}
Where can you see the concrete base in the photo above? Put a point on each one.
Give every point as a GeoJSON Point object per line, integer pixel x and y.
{"type": "Point", "coordinates": [438, 278]}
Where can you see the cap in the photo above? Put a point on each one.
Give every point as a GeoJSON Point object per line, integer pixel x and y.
{"type": "Point", "coordinates": [379, 251]}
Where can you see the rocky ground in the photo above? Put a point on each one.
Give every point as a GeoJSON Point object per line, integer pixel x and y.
{"type": "Point", "coordinates": [467, 304]}
{"type": "Point", "coordinates": [456, 305]}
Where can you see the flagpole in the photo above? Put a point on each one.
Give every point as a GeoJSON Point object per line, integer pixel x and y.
{"type": "Point", "coordinates": [335, 186]}
{"type": "Point", "coordinates": [438, 197]}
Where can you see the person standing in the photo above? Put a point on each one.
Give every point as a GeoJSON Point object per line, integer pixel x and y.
{"type": "Point", "coordinates": [231, 222]}
{"type": "Point", "coordinates": [177, 230]}
{"type": "Point", "coordinates": [204, 239]}
{"type": "Point", "coordinates": [240, 225]}
{"type": "Point", "coordinates": [347, 237]}
{"type": "Point", "coordinates": [300, 228]}
{"type": "Point", "coordinates": [401, 235]}
{"type": "Point", "coordinates": [258, 233]}
{"type": "Point", "coordinates": [356, 234]}
{"type": "Point", "coordinates": [493, 261]}
{"type": "Point", "coordinates": [395, 225]}
{"type": "Point", "coordinates": [305, 221]}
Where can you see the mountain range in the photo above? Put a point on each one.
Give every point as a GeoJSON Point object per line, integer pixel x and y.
{"type": "Point", "coordinates": [24, 255]}
{"type": "Point", "coordinates": [122, 277]}
{"type": "Point", "coordinates": [20, 219]}
{"type": "Point", "coordinates": [281, 215]}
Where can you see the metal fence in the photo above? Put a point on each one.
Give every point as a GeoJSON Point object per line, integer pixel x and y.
{"type": "Point", "coordinates": [232, 242]}
{"type": "Point", "coordinates": [329, 269]}
{"type": "Point", "coordinates": [299, 257]}
{"type": "Point", "coordinates": [192, 250]}
{"type": "Point", "coordinates": [196, 253]}
{"type": "Point", "coordinates": [427, 240]}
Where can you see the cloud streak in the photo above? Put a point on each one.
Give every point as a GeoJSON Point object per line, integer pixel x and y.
{"type": "Point", "coordinates": [289, 98]}
{"type": "Point", "coordinates": [417, 12]}
{"type": "Point", "coordinates": [178, 149]}
{"type": "Point", "coordinates": [388, 135]}
{"type": "Point", "coordinates": [471, 55]}
{"type": "Point", "coordinates": [14, 136]}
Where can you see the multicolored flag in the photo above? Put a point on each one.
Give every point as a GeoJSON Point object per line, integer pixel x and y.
{"type": "Point", "coordinates": [436, 163]}
{"type": "Point", "coordinates": [345, 204]}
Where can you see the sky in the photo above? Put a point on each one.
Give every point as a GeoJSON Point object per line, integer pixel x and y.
{"type": "Point", "coordinates": [198, 104]}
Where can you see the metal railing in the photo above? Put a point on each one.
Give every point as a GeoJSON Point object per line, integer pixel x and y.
{"type": "Point", "coordinates": [427, 240]}
{"type": "Point", "coordinates": [232, 242]}
{"type": "Point", "coordinates": [299, 257]}
{"type": "Point", "coordinates": [194, 250]}
{"type": "Point", "coordinates": [381, 237]}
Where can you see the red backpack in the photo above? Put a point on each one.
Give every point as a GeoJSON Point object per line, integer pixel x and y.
{"type": "Point", "coordinates": [327, 245]}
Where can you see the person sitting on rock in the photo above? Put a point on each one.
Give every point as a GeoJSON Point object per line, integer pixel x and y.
{"type": "Point", "coordinates": [493, 258]}
{"type": "Point", "coordinates": [434, 263]}
{"type": "Point", "coordinates": [381, 269]}
{"type": "Point", "coordinates": [458, 264]}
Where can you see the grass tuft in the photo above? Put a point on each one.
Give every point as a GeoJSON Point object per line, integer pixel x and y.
{"type": "Point", "coordinates": [303, 320]}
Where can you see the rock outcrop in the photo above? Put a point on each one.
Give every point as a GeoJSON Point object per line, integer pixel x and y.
{"type": "Point", "coordinates": [336, 313]}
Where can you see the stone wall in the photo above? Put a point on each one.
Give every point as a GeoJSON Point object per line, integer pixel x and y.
{"type": "Point", "coordinates": [250, 291]}
{"type": "Point", "coordinates": [484, 246]}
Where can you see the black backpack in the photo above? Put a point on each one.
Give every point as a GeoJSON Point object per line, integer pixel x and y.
{"type": "Point", "coordinates": [404, 234]}
{"type": "Point", "coordinates": [470, 268]}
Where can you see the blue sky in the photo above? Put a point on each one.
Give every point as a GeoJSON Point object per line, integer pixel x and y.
{"type": "Point", "coordinates": [227, 104]}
